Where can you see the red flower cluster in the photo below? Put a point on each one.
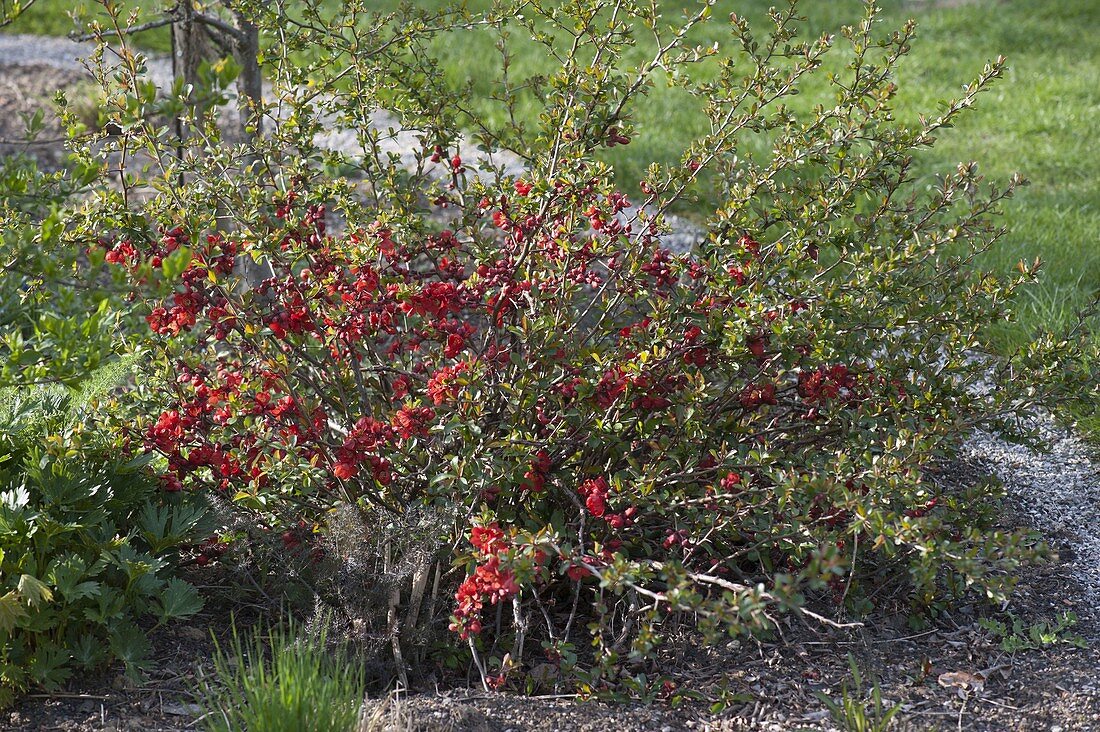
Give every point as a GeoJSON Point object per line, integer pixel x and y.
{"type": "Point", "coordinates": [490, 582]}
{"type": "Point", "coordinates": [826, 383]}
{"type": "Point", "coordinates": [534, 479]}
{"type": "Point", "coordinates": [361, 445]}
{"type": "Point", "coordinates": [730, 481]}
{"type": "Point", "coordinates": [443, 386]}
{"type": "Point", "coordinates": [122, 254]}
{"type": "Point", "coordinates": [757, 394]}
{"type": "Point", "coordinates": [594, 492]}
{"type": "Point", "coordinates": [695, 354]}
{"type": "Point", "coordinates": [589, 324]}
{"type": "Point", "coordinates": [413, 421]}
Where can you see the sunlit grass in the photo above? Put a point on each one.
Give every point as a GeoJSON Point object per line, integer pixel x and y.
{"type": "Point", "coordinates": [276, 682]}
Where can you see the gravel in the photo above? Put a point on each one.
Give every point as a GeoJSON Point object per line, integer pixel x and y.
{"type": "Point", "coordinates": [24, 50]}
{"type": "Point", "coordinates": [1059, 492]}
{"type": "Point", "coordinates": [62, 53]}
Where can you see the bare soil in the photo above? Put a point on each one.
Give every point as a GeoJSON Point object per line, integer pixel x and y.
{"type": "Point", "coordinates": [768, 685]}
{"type": "Point", "coordinates": [25, 89]}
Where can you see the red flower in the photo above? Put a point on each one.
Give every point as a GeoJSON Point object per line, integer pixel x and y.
{"type": "Point", "coordinates": [595, 493]}
{"type": "Point", "coordinates": [443, 385]}
{"type": "Point", "coordinates": [611, 387]}
{"type": "Point", "coordinates": [345, 471]}
{"type": "Point", "coordinates": [401, 387]}
{"type": "Point", "coordinates": [413, 421]}
{"type": "Point", "coordinates": [488, 539]}
{"type": "Point", "coordinates": [534, 479]}
{"type": "Point", "coordinates": [122, 254]}
{"type": "Point", "coordinates": [577, 573]}
{"type": "Point", "coordinates": [730, 481]}
{"type": "Point", "coordinates": [754, 395]}
{"type": "Point", "coordinates": [756, 346]}
{"type": "Point", "coordinates": [455, 344]}
{"type": "Point", "coordinates": [749, 244]}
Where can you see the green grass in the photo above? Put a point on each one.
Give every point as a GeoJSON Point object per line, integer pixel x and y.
{"type": "Point", "coordinates": [277, 683]}
{"type": "Point", "coordinates": [1042, 120]}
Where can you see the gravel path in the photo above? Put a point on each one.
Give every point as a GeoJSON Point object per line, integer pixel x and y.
{"type": "Point", "coordinates": [61, 53]}
{"type": "Point", "coordinates": [1058, 491]}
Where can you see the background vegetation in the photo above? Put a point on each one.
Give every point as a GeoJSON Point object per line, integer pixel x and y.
{"type": "Point", "coordinates": [1042, 120]}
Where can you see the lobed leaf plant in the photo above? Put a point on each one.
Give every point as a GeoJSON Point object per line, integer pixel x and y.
{"type": "Point", "coordinates": [87, 541]}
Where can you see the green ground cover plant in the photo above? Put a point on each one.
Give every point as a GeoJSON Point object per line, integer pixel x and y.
{"type": "Point", "coordinates": [88, 539]}
{"type": "Point", "coordinates": [87, 543]}
{"type": "Point", "coordinates": [1015, 635]}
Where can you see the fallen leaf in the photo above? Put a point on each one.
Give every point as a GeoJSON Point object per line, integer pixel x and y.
{"type": "Point", "coordinates": [182, 710]}
{"type": "Point", "coordinates": [961, 680]}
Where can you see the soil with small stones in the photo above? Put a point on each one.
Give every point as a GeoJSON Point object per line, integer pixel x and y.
{"type": "Point", "coordinates": [25, 89]}
{"type": "Point", "coordinates": [766, 685]}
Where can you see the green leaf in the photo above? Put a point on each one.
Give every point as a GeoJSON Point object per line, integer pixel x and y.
{"type": "Point", "coordinates": [11, 611]}
{"type": "Point", "coordinates": [129, 645]}
{"type": "Point", "coordinates": [49, 666]}
{"type": "Point", "coordinates": [33, 591]}
{"type": "Point", "coordinates": [88, 651]}
{"type": "Point", "coordinates": [179, 600]}
{"type": "Point", "coordinates": [175, 263]}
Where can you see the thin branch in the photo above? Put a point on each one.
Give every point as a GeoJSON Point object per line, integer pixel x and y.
{"type": "Point", "coordinates": [120, 32]}
{"type": "Point", "coordinates": [231, 31]}
{"type": "Point", "coordinates": [9, 14]}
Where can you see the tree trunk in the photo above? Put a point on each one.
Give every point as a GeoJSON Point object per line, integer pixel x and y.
{"type": "Point", "coordinates": [250, 85]}
{"type": "Point", "coordinates": [190, 47]}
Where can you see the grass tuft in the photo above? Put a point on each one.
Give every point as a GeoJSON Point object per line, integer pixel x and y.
{"type": "Point", "coordinates": [276, 682]}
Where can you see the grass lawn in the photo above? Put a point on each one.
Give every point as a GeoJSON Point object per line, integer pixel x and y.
{"type": "Point", "coordinates": [1043, 119]}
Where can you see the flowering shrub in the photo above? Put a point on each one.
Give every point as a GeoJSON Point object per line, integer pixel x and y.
{"type": "Point", "coordinates": [612, 429]}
